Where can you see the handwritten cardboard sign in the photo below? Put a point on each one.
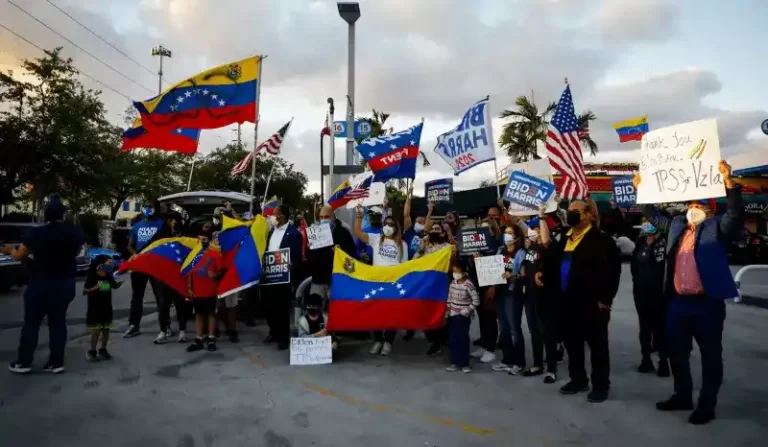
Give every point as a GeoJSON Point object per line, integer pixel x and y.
{"type": "Point", "coordinates": [276, 267]}
{"type": "Point", "coordinates": [439, 191]}
{"type": "Point", "coordinates": [475, 240]}
{"type": "Point", "coordinates": [490, 270]}
{"type": "Point", "coordinates": [311, 351]}
{"type": "Point", "coordinates": [624, 191]}
{"type": "Point", "coordinates": [319, 236]}
{"type": "Point", "coordinates": [680, 163]}
{"type": "Point", "coordinates": [527, 190]}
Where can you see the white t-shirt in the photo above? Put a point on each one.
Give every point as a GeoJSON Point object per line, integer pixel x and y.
{"type": "Point", "coordinates": [385, 251]}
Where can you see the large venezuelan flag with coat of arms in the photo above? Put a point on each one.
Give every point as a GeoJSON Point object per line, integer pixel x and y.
{"type": "Point", "coordinates": [411, 295]}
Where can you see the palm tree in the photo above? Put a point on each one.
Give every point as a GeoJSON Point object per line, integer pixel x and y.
{"type": "Point", "coordinates": [585, 137]}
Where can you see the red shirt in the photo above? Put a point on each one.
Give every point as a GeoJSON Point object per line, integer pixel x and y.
{"type": "Point", "coordinates": [686, 278]}
{"type": "Point", "coordinates": [203, 286]}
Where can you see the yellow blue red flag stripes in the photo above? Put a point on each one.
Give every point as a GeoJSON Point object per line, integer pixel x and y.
{"type": "Point", "coordinates": [214, 98]}
{"type": "Point", "coordinates": [632, 129]}
{"type": "Point", "coordinates": [162, 260]}
{"type": "Point", "coordinates": [183, 141]}
{"type": "Point", "coordinates": [411, 295]}
{"type": "Point", "coordinates": [269, 206]}
{"type": "Point", "coordinates": [244, 268]}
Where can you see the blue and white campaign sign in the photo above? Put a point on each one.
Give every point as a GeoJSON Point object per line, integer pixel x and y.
{"type": "Point", "coordinates": [439, 191]}
{"type": "Point", "coordinates": [362, 129]}
{"type": "Point", "coordinates": [471, 142]}
{"type": "Point", "coordinates": [527, 190]}
{"type": "Point", "coordinates": [276, 267]}
{"type": "Point", "coordinates": [623, 191]}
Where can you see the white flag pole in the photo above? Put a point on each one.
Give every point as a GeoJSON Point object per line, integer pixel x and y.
{"type": "Point", "coordinates": [493, 142]}
{"type": "Point", "coordinates": [256, 131]}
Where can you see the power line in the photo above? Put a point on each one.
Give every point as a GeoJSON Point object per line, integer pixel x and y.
{"type": "Point", "coordinates": [78, 46]}
{"type": "Point", "coordinates": [78, 70]}
{"type": "Point", "coordinates": [95, 34]}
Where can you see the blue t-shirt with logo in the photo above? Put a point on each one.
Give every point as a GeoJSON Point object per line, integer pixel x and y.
{"type": "Point", "coordinates": [412, 240]}
{"type": "Point", "coordinates": [144, 231]}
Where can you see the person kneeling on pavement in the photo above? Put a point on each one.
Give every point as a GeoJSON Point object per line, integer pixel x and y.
{"type": "Point", "coordinates": [202, 285]}
{"type": "Point", "coordinates": [314, 320]}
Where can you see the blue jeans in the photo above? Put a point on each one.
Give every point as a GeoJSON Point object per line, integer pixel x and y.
{"type": "Point", "coordinates": [46, 298]}
{"type": "Point", "coordinates": [504, 305]}
{"type": "Point", "coordinates": [525, 301]}
{"type": "Point", "coordinates": [458, 334]}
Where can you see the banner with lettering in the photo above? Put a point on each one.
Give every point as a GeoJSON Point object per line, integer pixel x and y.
{"type": "Point", "coordinates": [623, 191]}
{"type": "Point", "coordinates": [439, 191]}
{"type": "Point", "coordinates": [680, 163]}
{"type": "Point", "coordinates": [527, 190]}
{"type": "Point", "coordinates": [471, 142]}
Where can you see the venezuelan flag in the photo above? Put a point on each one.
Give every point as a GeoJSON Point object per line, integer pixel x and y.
{"type": "Point", "coordinates": [162, 260]}
{"type": "Point", "coordinates": [231, 235]}
{"type": "Point", "coordinates": [244, 269]}
{"type": "Point", "coordinates": [178, 140]}
{"type": "Point", "coordinates": [214, 98]}
{"type": "Point", "coordinates": [633, 129]}
{"type": "Point", "coordinates": [269, 207]}
{"type": "Point", "coordinates": [411, 295]}
{"type": "Point", "coordinates": [339, 197]}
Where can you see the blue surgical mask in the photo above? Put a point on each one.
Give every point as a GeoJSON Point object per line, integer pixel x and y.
{"type": "Point", "coordinates": [147, 211]}
{"type": "Point", "coordinates": [325, 221]}
{"type": "Point", "coordinates": [648, 228]}
{"type": "Point", "coordinates": [418, 227]}
{"type": "Point", "coordinates": [508, 238]}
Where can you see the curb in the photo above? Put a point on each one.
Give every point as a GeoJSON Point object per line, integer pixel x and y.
{"type": "Point", "coordinates": [754, 301]}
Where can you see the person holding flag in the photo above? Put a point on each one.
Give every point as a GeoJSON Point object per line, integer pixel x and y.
{"type": "Point", "coordinates": [202, 284]}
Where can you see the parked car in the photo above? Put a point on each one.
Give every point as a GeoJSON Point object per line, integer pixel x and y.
{"type": "Point", "coordinates": [750, 248]}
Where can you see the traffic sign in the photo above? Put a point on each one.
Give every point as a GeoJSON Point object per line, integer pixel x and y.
{"type": "Point", "coordinates": [764, 126]}
{"type": "Point", "coordinates": [362, 129]}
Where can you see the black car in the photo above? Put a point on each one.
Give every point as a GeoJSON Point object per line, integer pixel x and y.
{"type": "Point", "coordinates": [750, 248]}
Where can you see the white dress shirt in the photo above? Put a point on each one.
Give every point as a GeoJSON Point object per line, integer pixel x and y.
{"type": "Point", "coordinates": [277, 237]}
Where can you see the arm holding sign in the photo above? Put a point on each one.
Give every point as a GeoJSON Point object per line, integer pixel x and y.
{"type": "Point", "coordinates": [428, 219]}
{"type": "Point", "coordinates": [359, 226]}
{"type": "Point", "coordinates": [650, 212]}
{"type": "Point", "coordinates": [733, 221]}
{"type": "Point", "coordinates": [544, 235]}
{"type": "Point", "coordinates": [407, 220]}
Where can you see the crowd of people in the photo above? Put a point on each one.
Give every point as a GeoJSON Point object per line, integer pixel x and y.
{"type": "Point", "coordinates": [562, 271]}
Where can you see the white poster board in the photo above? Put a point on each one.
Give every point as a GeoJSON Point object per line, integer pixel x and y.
{"type": "Point", "coordinates": [490, 270]}
{"type": "Point", "coordinates": [311, 351]}
{"type": "Point", "coordinates": [537, 168]}
{"type": "Point", "coordinates": [319, 236]}
{"type": "Point", "coordinates": [376, 191]}
{"type": "Point", "coordinates": [680, 163]}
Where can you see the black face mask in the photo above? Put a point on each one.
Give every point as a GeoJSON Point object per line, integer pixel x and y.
{"type": "Point", "coordinates": [313, 311]}
{"type": "Point", "coordinates": [435, 237]}
{"type": "Point", "coordinates": [573, 218]}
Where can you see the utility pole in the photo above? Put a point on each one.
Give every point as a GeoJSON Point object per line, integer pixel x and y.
{"type": "Point", "coordinates": [162, 52]}
{"type": "Point", "coordinates": [239, 136]}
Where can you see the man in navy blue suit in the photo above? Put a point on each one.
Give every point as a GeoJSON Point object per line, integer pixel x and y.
{"type": "Point", "coordinates": [279, 296]}
{"type": "Point", "coordinates": [697, 283]}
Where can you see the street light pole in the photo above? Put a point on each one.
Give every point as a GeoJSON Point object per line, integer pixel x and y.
{"type": "Point", "coordinates": [331, 149]}
{"type": "Point", "coordinates": [350, 12]}
{"type": "Point", "coordinates": [162, 52]}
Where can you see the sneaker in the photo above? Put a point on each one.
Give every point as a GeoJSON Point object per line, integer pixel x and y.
{"type": "Point", "coordinates": [104, 354]}
{"type": "Point", "coordinates": [663, 370]}
{"type": "Point", "coordinates": [53, 369]}
{"type": "Point", "coordinates": [574, 387]}
{"type": "Point", "coordinates": [169, 333]}
{"type": "Point", "coordinates": [196, 345]}
{"type": "Point", "coordinates": [466, 370]}
{"type": "Point", "coordinates": [133, 331]}
{"type": "Point", "coordinates": [161, 338]}
{"type": "Point", "coordinates": [334, 345]}
{"type": "Point", "coordinates": [452, 368]}
{"type": "Point", "coordinates": [701, 417]}
{"type": "Point", "coordinates": [376, 349]}
{"type": "Point", "coordinates": [501, 367]}
{"type": "Point", "coordinates": [182, 337]}
{"type": "Point", "coordinates": [211, 345]}
{"type": "Point", "coordinates": [516, 370]}
{"type": "Point", "coordinates": [92, 356]}
{"type": "Point", "coordinates": [487, 357]}
{"type": "Point", "coordinates": [550, 378]}
{"type": "Point", "coordinates": [477, 353]}
{"type": "Point", "coordinates": [386, 349]}
{"type": "Point", "coordinates": [233, 337]}
{"type": "Point", "coordinates": [646, 366]}
{"type": "Point", "coordinates": [19, 368]}
{"type": "Point", "coordinates": [434, 350]}
{"type": "Point", "coordinates": [597, 395]}
{"type": "Point", "coordinates": [533, 371]}
{"type": "Point", "coordinates": [675, 403]}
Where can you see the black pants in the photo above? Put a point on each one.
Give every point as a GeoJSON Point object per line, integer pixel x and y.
{"type": "Point", "coordinates": [590, 326]}
{"type": "Point", "coordinates": [489, 328]}
{"type": "Point", "coordinates": [438, 336]}
{"type": "Point", "coordinates": [183, 308]}
{"type": "Point", "coordinates": [46, 297]}
{"type": "Point", "coordinates": [278, 301]}
{"type": "Point", "coordinates": [550, 318]}
{"type": "Point", "coordinates": [138, 286]}
{"type": "Point", "coordinates": [384, 336]}
{"type": "Point", "coordinates": [651, 313]}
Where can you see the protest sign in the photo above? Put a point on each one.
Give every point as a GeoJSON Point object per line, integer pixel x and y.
{"type": "Point", "coordinates": [623, 191]}
{"type": "Point", "coordinates": [439, 191]}
{"type": "Point", "coordinates": [490, 270]}
{"type": "Point", "coordinates": [680, 163]}
{"type": "Point", "coordinates": [471, 142]}
{"type": "Point", "coordinates": [538, 168]}
{"type": "Point", "coordinates": [276, 267]}
{"type": "Point", "coordinates": [527, 190]}
{"type": "Point", "coordinates": [475, 240]}
{"type": "Point", "coordinates": [364, 191]}
{"type": "Point", "coordinates": [311, 351]}
{"type": "Point", "coordinates": [319, 236]}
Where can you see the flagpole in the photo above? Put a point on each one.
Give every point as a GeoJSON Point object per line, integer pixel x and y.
{"type": "Point", "coordinates": [256, 132]}
{"type": "Point", "coordinates": [274, 161]}
{"type": "Point", "coordinates": [495, 165]}
{"type": "Point", "coordinates": [191, 170]}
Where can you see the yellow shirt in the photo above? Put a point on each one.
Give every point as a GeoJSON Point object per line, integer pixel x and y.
{"type": "Point", "coordinates": [574, 242]}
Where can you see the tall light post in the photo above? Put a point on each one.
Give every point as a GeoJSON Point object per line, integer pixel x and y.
{"type": "Point", "coordinates": [162, 52]}
{"type": "Point", "coordinates": [350, 12]}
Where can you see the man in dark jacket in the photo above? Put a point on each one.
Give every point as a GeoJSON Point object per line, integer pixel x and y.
{"type": "Point", "coordinates": [586, 268]}
{"type": "Point", "coordinates": [697, 283]}
{"type": "Point", "coordinates": [321, 259]}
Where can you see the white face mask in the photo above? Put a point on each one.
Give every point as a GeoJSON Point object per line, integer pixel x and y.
{"type": "Point", "coordinates": [417, 227]}
{"type": "Point", "coordinates": [388, 230]}
{"type": "Point", "coordinates": [485, 225]}
{"type": "Point", "coordinates": [457, 276]}
{"type": "Point", "coordinates": [695, 216]}
{"type": "Point", "coordinates": [216, 221]}
{"type": "Point", "coordinates": [273, 220]}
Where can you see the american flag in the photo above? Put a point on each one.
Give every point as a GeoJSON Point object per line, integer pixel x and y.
{"type": "Point", "coordinates": [361, 190]}
{"type": "Point", "coordinates": [271, 145]}
{"type": "Point", "coordinates": [564, 149]}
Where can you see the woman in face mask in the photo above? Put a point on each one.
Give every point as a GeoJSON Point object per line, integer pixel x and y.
{"type": "Point", "coordinates": [648, 265]}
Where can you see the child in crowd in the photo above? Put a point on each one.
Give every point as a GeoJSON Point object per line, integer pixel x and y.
{"type": "Point", "coordinates": [202, 284]}
{"type": "Point", "coordinates": [98, 287]}
{"type": "Point", "coordinates": [314, 320]}
{"type": "Point", "coordinates": [463, 299]}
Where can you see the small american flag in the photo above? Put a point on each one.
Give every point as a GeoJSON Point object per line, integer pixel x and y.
{"type": "Point", "coordinates": [362, 190]}
{"type": "Point", "coordinates": [271, 145]}
{"type": "Point", "coordinates": [564, 149]}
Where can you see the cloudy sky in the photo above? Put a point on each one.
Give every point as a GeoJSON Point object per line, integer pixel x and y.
{"type": "Point", "coordinates": [675, 60]}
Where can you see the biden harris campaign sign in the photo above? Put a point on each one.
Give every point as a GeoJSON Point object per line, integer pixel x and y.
{"type": "Point", "coordinates": [471, 142]}
{"type": "Point", "coordinates": [624, 191]}
{"type": "Point", "coordinates": [527, 190]}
